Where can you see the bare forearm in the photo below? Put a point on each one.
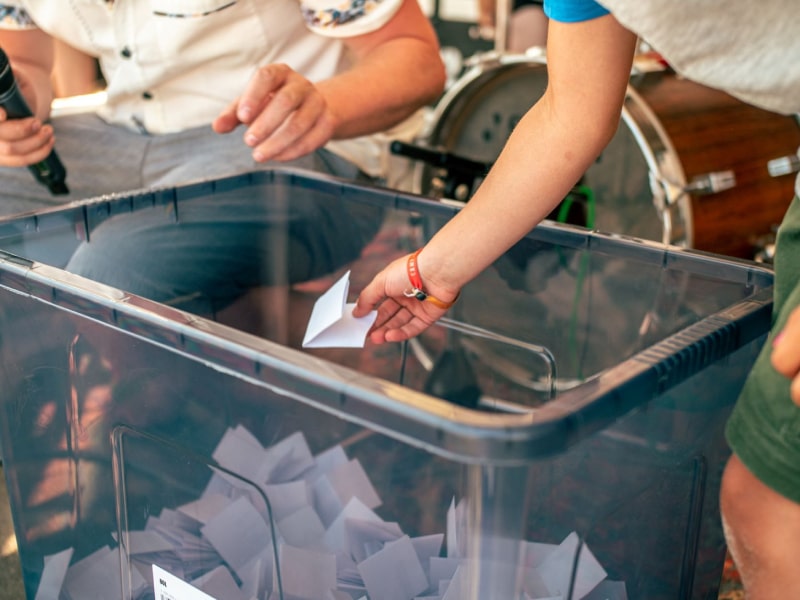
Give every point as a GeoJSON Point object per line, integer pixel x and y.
{"type": "Point", "coordinates": [74, 72]}
{"type": "Point", "coordinates": [385, 88]}
{"type": "Point", "coordinates": [536, 170]}
{"type": "Point", "coordinates": [31, 57]}
{"type": "Point", "coordinates": [396, 70]}
{"type": "Point", "coordinates": [548, 152]}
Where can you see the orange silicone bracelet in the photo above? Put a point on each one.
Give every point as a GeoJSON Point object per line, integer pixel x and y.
{"type": "Point", "coordinates": [416, 290]}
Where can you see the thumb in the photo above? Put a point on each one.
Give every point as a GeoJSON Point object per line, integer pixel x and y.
{"type": "Point", "coordinates": [369, 298]}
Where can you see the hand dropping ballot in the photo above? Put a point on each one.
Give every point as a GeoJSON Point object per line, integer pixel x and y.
{"type": "Point", "coordinates": [332, 323]}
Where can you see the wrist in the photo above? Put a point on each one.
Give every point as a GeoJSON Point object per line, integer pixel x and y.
{"type": "Point", "coordinates": [36, 87]}
{"type": "Point", "coordinates": [425, 286]}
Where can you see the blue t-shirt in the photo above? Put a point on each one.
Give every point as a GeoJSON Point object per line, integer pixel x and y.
{"type": "Point", "coordinates": [572, 11]}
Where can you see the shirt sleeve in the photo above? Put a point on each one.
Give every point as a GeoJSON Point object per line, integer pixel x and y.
{"type": "Point", "coordinates": [14, 16]}
{"type": "Point", "coordinates": [347, 18]}
{"type": "Point", "coordinates": [573, 11]}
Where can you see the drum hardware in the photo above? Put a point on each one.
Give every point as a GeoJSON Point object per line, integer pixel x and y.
{"type": "Point", "coordinates": [765, 247]}
{"type": "Point", "coordinates": [785, 165]}
{"type": "Point", "coordinates": [667, 196]}
{"type": "Point", "coordinates": [482, 59]}
{"type": "Point", "coordinates": [711, 183]}
{"type": "Point", "coordinates": [453, 61]}
{"type": "Point", "coordinates": [687, 166]}
{"type": "Point", "coordinates": [457, 177]}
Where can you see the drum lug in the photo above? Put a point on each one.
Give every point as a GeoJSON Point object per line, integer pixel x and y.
{"type": "Point", "coordinates": [711, 183]}
{"type": "Point", "coordinates": [764, 247]}
{"type": "Point", "coordinates": [484, 59]}
{"type": "Point", "coordinates": [457, 177]}
{"type": "Point", "coordinates": [665, 193]}
{"type": "Point", "coordinates": [460, 192]}
{"type": "Point", "coordinates": [785, 165]}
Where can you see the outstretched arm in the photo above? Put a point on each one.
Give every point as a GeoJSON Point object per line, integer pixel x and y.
{"type": "Point", "coordinates": [589, 65]}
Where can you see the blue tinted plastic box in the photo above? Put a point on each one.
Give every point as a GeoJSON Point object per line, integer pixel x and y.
{"type": "Point", "coordinates": [560, 434]}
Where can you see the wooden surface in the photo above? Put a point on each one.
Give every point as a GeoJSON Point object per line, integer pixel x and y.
{"type": "Point", "coordinates": [712, 131]}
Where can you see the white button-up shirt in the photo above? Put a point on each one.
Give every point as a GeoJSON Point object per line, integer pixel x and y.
{"type": "Point", "coordinates": [175, 64]}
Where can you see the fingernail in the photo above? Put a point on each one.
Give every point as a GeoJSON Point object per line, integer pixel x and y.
{"type": "Point", "coordinates": [244, 113]}
{"type": "Point", "coordinates": [776, 340]}
{"type": "Point", "coordinates": [258, 156]}
{"type": "Point", "coordinates": [250, 139]}
{"type": "Point", "coordinates": [35, 126]}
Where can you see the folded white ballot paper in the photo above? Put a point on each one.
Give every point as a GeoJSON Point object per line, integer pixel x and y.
{"type": "Point", "coordinates": [332, 324]}
{"type": "Point", "coordinates": [221, 546]}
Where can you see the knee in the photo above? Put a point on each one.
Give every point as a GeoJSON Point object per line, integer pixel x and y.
{"type": "Point", "coordinates": [759, 523]}
{"type": "Point", "coordinates": [732, 491]}
{"type": "Point", "coordinates": [740, 523]}
{"type": "Point", "coordinates": [733, 488]}
{"type": "Point", "coordinates": [762, 529]}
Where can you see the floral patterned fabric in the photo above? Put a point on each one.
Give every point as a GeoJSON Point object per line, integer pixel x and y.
{"type": "Point", "coordinates": [15, 17]}
{"type": "Point", "coordinates": [342, 18]}
{"type": "Point", "coordinates": [339, 15]}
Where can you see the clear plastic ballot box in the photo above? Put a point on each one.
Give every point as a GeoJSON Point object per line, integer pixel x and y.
{"type": "Point", "coordinates": [165, 433]}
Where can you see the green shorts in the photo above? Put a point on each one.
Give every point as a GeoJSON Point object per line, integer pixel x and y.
{"type": "Point", "coordinates": [764, 429]}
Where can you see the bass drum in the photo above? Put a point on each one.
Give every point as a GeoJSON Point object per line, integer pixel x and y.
{"type": "Point", "coordinates": [688, 165]}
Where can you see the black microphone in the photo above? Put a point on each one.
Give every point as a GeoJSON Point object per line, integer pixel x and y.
{"type": "Point", "coordinates": [49, 172]}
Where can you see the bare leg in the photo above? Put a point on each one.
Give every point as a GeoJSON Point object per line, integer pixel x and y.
{"type": "Point", "coordinates": [763, 533]}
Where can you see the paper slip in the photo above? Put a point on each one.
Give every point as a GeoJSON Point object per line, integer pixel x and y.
{"type": "Point", "coordinates": [332, 324]}
{"type": "Point", "coordinates": [165, 585]}
{"type": "Point", "coordinates": [394, 572]}
{"type": "Point", "coordinates": [331, 544]}
{"type": "Point", "coordinates": [53, 573]}
{"type": "Point", "coordinates": [306, 574]}
{"type": "Point", "coordinates": [560, 575]}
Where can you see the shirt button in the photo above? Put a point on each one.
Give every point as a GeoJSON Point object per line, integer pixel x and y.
{"type": "Point", "coordinates": [126, 52]}
{"type": "Point", "coordinates": [147, 96]}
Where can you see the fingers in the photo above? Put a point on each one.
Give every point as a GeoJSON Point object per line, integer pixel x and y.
{"type": "Point", "coordinates": [24, 142]}
{"type": "Point", "coordinates": [227, 120]}
{"type": "Point", "coordinates": [294, 121]}
{"type": "Point", "coordinates": [286, 114]}
{"type": "Point", "coordinates": [370, 296]}
{"type": "Point", "coordinates": [255, 98]}
{"type": "Point", "coordinates": [399, 317]}
{"type": "Point", "coordinates": [390, 314]}
{"type": "Point", "coordinates": [278, 89]}
{"type": "Point", "coordinates": [304, 131]}
{"type": "Point", "coordinates": [786, 353]}
{"type": "Point", "coordinates": [258, 93]}
{"type": "Point", "coordinates": [396, 323]}
{"type": "Point", "coordinates": [412, 328]}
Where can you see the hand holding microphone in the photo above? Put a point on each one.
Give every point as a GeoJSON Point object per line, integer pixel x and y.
{"type": "Point", "coordinates": [50, 171]}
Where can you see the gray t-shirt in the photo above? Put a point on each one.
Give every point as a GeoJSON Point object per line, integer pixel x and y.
{"type": "Point", "coordinates": [748, 48]}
